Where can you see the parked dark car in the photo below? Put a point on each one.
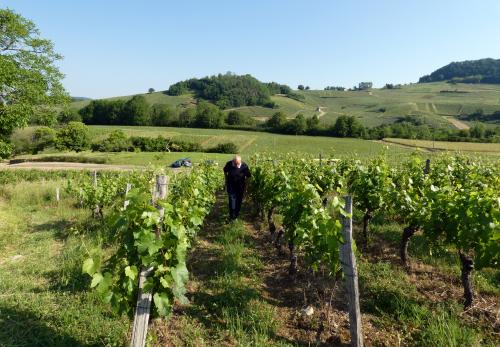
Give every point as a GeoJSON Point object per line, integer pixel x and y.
{"type": "Point", "coordinates": [182, 162]}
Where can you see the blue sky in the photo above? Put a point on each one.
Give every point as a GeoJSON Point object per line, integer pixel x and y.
{"type": "Point", "coordinates": [113, 47]}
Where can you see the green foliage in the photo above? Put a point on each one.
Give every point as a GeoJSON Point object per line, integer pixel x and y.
{"type": "Point", "coordinates": [226, 90]}
{"type": "Point", "coordinates": [106, 112]}
{"type": "Point", "coordinates": [277, 121]}
{"type": "Point", "coordinates": [6, 149]}
{"type": "Point", "coordinates": [136, 111]}
{"type": "Point", "coordinates": [297, 126]}
{"type": "Point", "coordinates": [187, 117]}
{"type": "Point", "coordinates": [369, 184]}
{"type": "Point", "coordinates": [227, 147]}
{"type": "Point", "coordinates": [117, 141]}
{"type": "Point", "coordinates": [162, 115]}
{"type": "Point", "coordinates": [291, 188]}
{"type": "Point", "coordinates": [347, 126]}
{"type": "Point", "coordinates": [208, 116]}
{"type": "Point", "coordinates": [238, 118]}
{"type": "Point", "coordinates": [43, 137]}
{"type": "Point", "coordinates": [469, 71]}
{"type": "Point", "coordinates": [73, 137]}
{"type": "Point", "coordinates": [69, 115]}
{"type": "Point", "coordinates": [163, 144]}
{"type": "Point", "coordinates": [29, 79]}
{"type": "Point", "coordinates": [139, 244]}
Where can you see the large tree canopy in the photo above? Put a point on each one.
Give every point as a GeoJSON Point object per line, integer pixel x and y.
{"type": "Point", "coordinates": [30, 83]}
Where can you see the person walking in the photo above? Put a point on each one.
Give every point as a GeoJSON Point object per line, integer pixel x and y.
{"type": "Point", "coordinates": [236, 172]}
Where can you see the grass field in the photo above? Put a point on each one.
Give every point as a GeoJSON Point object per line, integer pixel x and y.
{"type": "Point", "coordinates": [432, 101]}
{"type": "Point", "coordinates": [449, 146]}
{"type": "Point", "coordinates": [250, 142]}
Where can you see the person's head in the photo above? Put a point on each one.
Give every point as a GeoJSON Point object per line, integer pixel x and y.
{"type": "Point", "coordinates": [237, 159]}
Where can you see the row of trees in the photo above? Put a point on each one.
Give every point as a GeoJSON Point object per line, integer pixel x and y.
{"type": "Point", "coordinates": [137, 111]}
{"type": "Point", "coordinates": [407, 128]}
{"type": "Point", "coordinates": [344, 126]}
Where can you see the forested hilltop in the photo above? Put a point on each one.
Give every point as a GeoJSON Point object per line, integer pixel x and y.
{"type": "Point", "coordinates": [469, 71]}
{"type": "Point", "coordinates": [230, 90]}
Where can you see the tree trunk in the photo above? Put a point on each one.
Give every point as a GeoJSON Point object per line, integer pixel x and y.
{"type": "Point", "coordinates": [408, 232]}
{"type": "Point", "coordinates": [292, 270]}
{"type": "Point", "coordinates": [277, 242]}
{"type": "Point", "coordinates": [270, 221]}
{"type": "Point", "coordinates": [366, 221]}
{"type": "Point", "coordinates": [467, 267]}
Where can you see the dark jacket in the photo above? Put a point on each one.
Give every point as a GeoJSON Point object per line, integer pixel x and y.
{"type": "Point", "coordinates": [236, 177]}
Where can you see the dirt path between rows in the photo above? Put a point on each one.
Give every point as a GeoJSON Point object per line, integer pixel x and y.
{"type": "Point", "coordinates": [457, 123]}
{"type": "Point", "coordinates": [66, 166]}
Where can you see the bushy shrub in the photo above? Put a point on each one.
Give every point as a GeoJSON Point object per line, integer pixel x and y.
{"type": "Point", "coordinates": [163, 144]}
{"type": "Point", "coordinates": [117, 141]}
{"type": "Point", "coordinates": [43, 137]}
{"type": "Point", "coordinates": [227, 147]}
{"type": "Point", "coordinates": [74, 137]}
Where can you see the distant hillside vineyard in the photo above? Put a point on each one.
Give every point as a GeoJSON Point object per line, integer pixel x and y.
{"type": "Point", "coordinates": [469, 71]}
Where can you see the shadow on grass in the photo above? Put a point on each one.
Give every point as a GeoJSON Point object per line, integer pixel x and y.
{"type": "Point", "coordinates": [24, 328]}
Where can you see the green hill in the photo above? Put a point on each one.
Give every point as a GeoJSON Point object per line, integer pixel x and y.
{"type": "Point", "coordinates": [469, 71]}
{"type": "Point", "coordinates": [436, 103]}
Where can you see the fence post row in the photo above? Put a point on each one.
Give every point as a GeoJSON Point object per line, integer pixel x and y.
{"type": "Point", "coordinates": [349, 267]}
{"type": "Point", "coordinates": [143, 307]}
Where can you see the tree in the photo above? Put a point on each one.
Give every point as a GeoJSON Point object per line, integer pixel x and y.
{"type": "Point", "coordinates": [313, 124]}
{"type": "Point", "coordinates": [136, 111]}
{"type": "Point", "coordinates": [277, 121]}
{"type": "Point", "coordinates": [162, 115]}
{"type": "Point", "coordinates": [74, 137]}
{"type": "Point", "coordinates": [341, 128]}
{"type": "Point", "coordinates": [478, 130]}
{"type": "Point", "coordinates": [307, 88]}
{"type": "Point", "coordinates": [186, 117]}
{"type": "Point", "coordinates": [69, 115]}
{"type": "Point", "coordinates": [300, 87]}
{"type": "Point", "coordinates": [298, 125]}
{"type": "Point", "coordinates": [43, 137]}
{"type": "Point", "coordinates": [348, 126]}
{"type": "Point", "coordinates": [151, 90]}
{"type": "Point", "coordinates": [208, 116]}
{"type": "Point", "coordinates": [30, 82]}
{"type": "Point", "coordinates": [238, 118]}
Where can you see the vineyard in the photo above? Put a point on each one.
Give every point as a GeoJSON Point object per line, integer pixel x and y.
{"type": "Point", "coordinates": [149, 236]}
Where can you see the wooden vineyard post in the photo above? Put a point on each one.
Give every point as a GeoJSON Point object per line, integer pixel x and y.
{"type": "Point", "coordinates": [320, 160]}
{"type": "Point", "coordinates": [97, 208]}
{"type": "Point", "coordinates": [127, 189]}
{"type": "Point", "coordinates": [143, 307]}
{"type": "Point", "coordinates": [348, 262]}
{"type": "Point", "coordinates": [58, 194]}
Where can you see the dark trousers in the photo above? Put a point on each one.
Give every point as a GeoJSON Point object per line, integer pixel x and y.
{"type": "Point", "coordinates": [235, 199]}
